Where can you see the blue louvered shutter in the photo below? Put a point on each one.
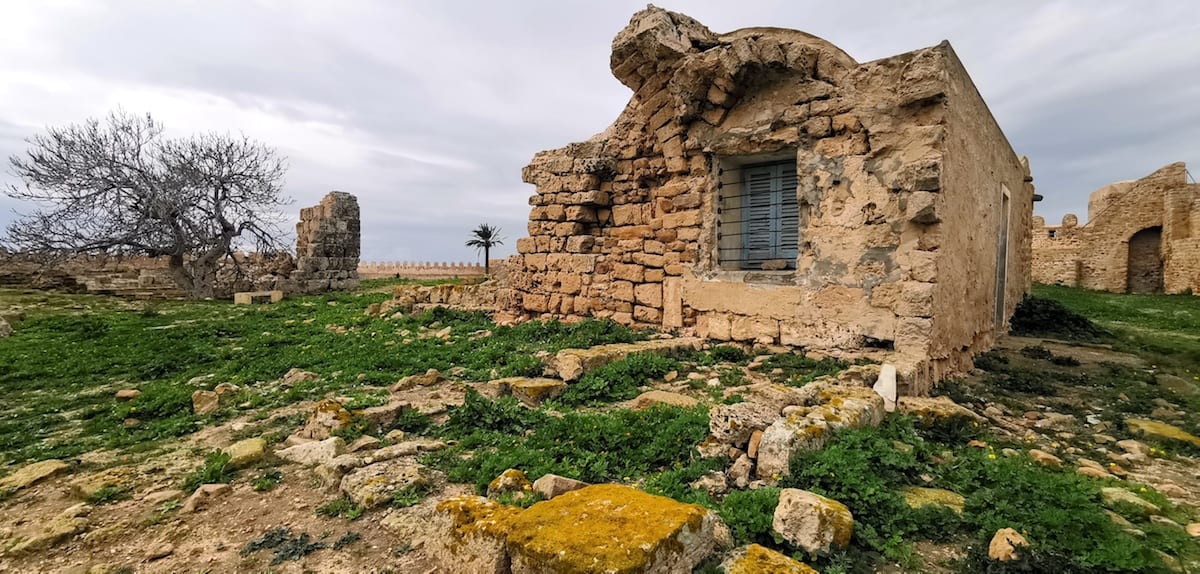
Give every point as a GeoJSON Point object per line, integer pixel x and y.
{"type": "Point", "coordinates": [788, 242]}
{"type": "Point", "coordinates": [758, 215]}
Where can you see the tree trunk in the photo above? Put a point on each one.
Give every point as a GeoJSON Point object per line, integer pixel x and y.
{"type": "Point", "coordinates": [180, 274]}
{"type": "Point", "coordinates": [487, 270]}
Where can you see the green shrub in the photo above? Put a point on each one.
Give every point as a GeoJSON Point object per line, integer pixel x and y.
{"type": "Point", "coordinates": [267, 480]}
{"type": "Point", "coordinates": [108, 495]}
{"type": "Point", "coordinates": [748, 514]}
{"type": "Point", "coordinates": [411, 495]}
{"type": "Point", "coordinates": [340, 508]}
{"type": "Point", "coordinates": [1039, 317]}
{"type": "Point", "coordinates": [800, 370]}
{"type": "Point", "coordinates": [618, 445]}
{"type": "Point", "coordinates": [477, 414]}
{"type": "Point", "coordinates": [617, 381]}
{"type": "Point", "coordinates": [215, 470]}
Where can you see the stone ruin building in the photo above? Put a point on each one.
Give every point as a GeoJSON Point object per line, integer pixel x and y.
{"type": "Point", "coordinates": [763, 186]}
{"type": "Point", "coordinates": [327, 252]}
{"type": "Point", "coordinates": [1140, 237]}
{"type": "Point", "coordinates": [328, 244]}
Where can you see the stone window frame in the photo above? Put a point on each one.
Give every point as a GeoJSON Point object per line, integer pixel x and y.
{"type": "Point", "coordinates": [721, 165]}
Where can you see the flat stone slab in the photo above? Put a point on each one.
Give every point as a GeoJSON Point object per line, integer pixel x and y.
{"type": "Point", "coordinates": [32, 474]}
{"type": "Point", "coordinates": [375, 485]}
{"type": "Point", "coordinates": [248, 297]}
{"type": "Point", "coordinates": [1156, 430]}
{"type": "Point", "coordinates": [529, 390]}
{"type": "Point", "coordinates": [570, 364]}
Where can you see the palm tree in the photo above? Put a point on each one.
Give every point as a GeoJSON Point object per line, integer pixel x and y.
{"type": "Point", "coordinates": [486, 237]}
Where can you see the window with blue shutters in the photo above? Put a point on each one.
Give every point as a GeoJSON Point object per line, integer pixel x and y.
{"type": "Point", "coordinates": [764, 217]}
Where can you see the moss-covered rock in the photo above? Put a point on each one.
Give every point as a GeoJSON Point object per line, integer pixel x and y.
{"type": "Point", "coordinates": [529, 390]}
{"type": "Point", "coordinates": [375, 485]}
{"type": "Point", "coordinates": [610, 528]}
{"type": "Point", "coordinates": [509, 481]}
{"type": "Point", "coordinates": [755, 559]}
{"type": "Point", "coordinates": [32, 474]}
{"type": "Point", "coordinates": [918, 497]}
{"type": "Point", "coordinates": [1161, 431]}
{"type": "Point", "coordinates": [470, 535]}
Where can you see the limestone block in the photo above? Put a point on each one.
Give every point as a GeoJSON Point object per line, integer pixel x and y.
{"type": "Point", "coordinates": [650, 294]}
{"type": "Point", "coordinates": [314, 452]}
{"type": "Point", "coordinates": [246, 452]}
{"type": "Point", "coordinates": [733, 424]}
{"type": "Point", "coordinates": [1004, 544]}
{"type": "Point", "coordinates": [811, 521]}
{"type": "Point", "coordinates": [205, 402]}
{"type": "Point", "coordinates": [471, 535]}
{"type": "Point", "coordinates": [922, 208]}
{"type": "Point", "coordinates": [936, 411]}
{"type": "Point", "coordinates": [327, 416]}
{"type": "Point", "coordinates": [375, 485]}
{"type": "Point", "coordinates": [611, 528]}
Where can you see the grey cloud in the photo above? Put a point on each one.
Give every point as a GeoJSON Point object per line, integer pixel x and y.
{"type": "Point", "coordinates": [448, 100]}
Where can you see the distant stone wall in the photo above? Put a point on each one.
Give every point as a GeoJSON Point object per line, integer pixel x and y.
{"type": "Point", "coordinates": [423, 270]}
{"type": "Point", "coordinates": [328, 244]}
{"type": "Point", "coordinates": [1141, 236]}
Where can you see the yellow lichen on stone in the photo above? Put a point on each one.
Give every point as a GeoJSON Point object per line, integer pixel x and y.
{"type": "Point", "coordinates": [471, 515]}
{"type": "Point", "coordinates": [1161, 431]}
{"type": "Point", "coordinates": [757, 559]}
{"type": "Point", "coordinates": [603, 528]}
{"type": "Point", "coordinates": [917, 497]}
{"type": "Point", "coordinates": [511, 480]}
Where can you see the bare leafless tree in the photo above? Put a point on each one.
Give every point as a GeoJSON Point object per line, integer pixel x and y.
{"type": "Point", "coordinates": [119, 187]}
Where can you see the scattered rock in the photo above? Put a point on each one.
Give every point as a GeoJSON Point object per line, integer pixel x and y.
{"type": "Point", "coordinates": [315, 452]}
{"type": "Point", "coordinates": [127, 394]}
{"type": "Point", "coordinates": [1112, 496]}
{"type": "Point", "coordinates": [552, 485]}
{"type": "Point", "coordinates": [364, 443]}
{"type": "Point", "coordinates": [811, 521]}
{"type": "Point", "coordinates": [429, 379]}
{"type": "Point", "coordinates": [740, 471]}
{"type": "Point", "coordinates": [297, 376]}
{"type": "Point", "coordinates": [752, 446]}
{"type": "Point", "coordinates": [375, 485]}
{"type": "Point", "coordinates": [1004, 544]}
{"type": "Point", "coordinates": [327, 416]}
{"type": "Point", "coordinates": [32, 474]}
{"type": "Point", "coordinates": [1193, 529]}
{"type": "Point", "coordinates": [225, 389]}
{"type": "Point", "coordinates": [1156, 519]}
{"type": "Point", "coordinates": [1045, 459]}
{"type": "Point", "coordinates": [511, 480]}
{"type": "Point", "coordinates": [373, 310]}
{"type": "Point", "coordinates": [1161, 431]}
{"type": "Point", "coordinates": [159, 551]}
{"type": "Point", "coordinates": [930, 411]}
{"type": "Point", "coordinates": [383, 416]}
{"type": "Point", "coordinates": [160, 496]}
{"type": "Point", "coordinates": [918, 497]}
{"type": "Point", "coordinates": [712, 483]}
{"type": "Point", "coordinates": [733, 424]}
{"type": "Point", "coordinates": [246, 452]}
{"type": "Point", "coordinates": [755, 559]}
{"type": "Point", "coordinates": [61, 528]}
{"type": "Point", "coordinates": [530, 391]}
{"type": "Point", "coordinates": [1172, 490]}
{"type": "Point", "coordinates": [1093, 472]}
{"type": "Point", "coordinates": [203, 496]}
{"type": "Point", "coordinates": [807, 428]}
{"type": "Point", "coordinates": [651, 398]}
{"type": "Point", "coordinates": [205, 402]}
{"type": "Point", "coordinates": [1134, 447]}
{"type": "Point", "coordinates": [1057, 421]}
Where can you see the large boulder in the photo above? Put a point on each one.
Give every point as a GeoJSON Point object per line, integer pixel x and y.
{"type": "Point", "coordinates": [811, 521]}
{"type": "Point", "coordinates": [470, 535]}
{"type": "Point", "coordinates": [611, 528]}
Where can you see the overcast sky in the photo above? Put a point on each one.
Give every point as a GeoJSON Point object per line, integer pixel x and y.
{"type": "Point", "coordinates": [427, 110]}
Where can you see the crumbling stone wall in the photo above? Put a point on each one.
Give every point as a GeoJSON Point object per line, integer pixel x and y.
{"type": "Point", "coordinates": [900, 179]}
{"type": "Point", "coordinates": [328, 244]}
{"type": "Point", "coordinates": [1140, 236]}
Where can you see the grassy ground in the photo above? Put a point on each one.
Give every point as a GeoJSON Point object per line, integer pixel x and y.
{"type": "Point", "coordinates": [71, 353]}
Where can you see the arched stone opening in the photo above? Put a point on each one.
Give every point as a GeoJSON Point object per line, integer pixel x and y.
{"type": "Point", "coordinates": [1145, 266]}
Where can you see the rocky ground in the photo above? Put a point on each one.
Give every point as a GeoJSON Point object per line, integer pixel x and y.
{"type": "Point", "coordinates": [331, 483]}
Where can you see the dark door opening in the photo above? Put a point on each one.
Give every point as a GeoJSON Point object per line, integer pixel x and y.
{"type": "Point", "coordinates": [1145, 268]}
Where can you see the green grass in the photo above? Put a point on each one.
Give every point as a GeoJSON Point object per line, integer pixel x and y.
{"type": "Point", "coordinates": [620, 445]}
{"type": "Point", "coordinates": [59, 371]}
{"type": "Point", "coordinates": [214, 470]}
{"type": "Point", "coordinates": [340, 508]}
